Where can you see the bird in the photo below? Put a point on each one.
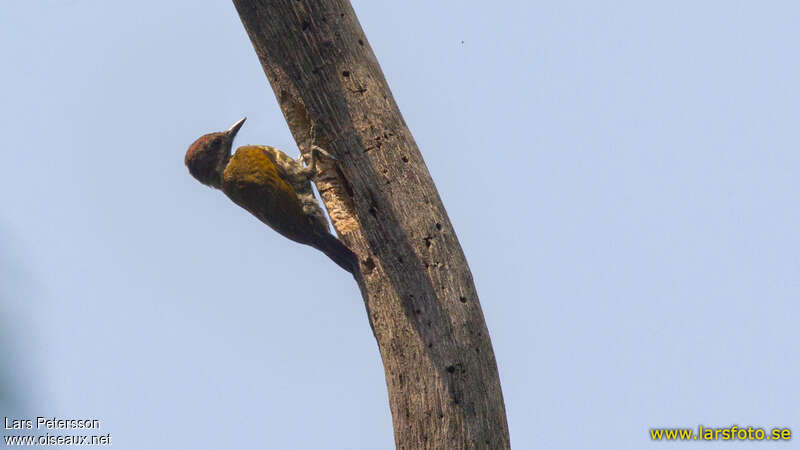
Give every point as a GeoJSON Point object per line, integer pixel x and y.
{"type": "Point", "coordinates": [269, 184]}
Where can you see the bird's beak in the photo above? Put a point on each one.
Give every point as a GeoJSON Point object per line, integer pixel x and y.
{"type": "Point", "coordinates": [231, 132]}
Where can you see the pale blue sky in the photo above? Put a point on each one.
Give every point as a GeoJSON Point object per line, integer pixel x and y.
{"type": "Point", "coordinates": [623, 177]}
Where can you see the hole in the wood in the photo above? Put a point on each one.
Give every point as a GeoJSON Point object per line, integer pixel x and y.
{"type": "Point", "coordinates": [405, 159]}
{"type": "Point", "coordinates": [463, 299]}
{"type": "Point", "coordinates": [361, 42]}
{"type": "Point", "coordinates": [369, 265]}
{"type": "Point", "coordinates": [305, 25]}
{"type": "Point", "coordinates": [345, 73]}
{"type": "Point", "coordinates": [439, 226]}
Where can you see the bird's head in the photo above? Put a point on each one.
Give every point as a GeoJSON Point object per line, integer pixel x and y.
{"type": "Point", "coordinates": [208, 155]}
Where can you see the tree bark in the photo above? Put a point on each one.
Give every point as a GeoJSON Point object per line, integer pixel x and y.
{"type": "Point", "coordinates": [441, 374]}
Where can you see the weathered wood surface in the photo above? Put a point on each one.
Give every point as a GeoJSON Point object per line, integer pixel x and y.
{"type": "Point", "coordinates": [441, 374]}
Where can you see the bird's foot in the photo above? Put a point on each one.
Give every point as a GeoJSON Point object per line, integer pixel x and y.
{"type": "Point", "coordinates": [311, 169]}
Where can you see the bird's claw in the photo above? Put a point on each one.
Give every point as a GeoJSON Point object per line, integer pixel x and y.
{"type": "Point", "coordinates": [321, 151]}
{"type": "Point", "coordinates": [311, 168]}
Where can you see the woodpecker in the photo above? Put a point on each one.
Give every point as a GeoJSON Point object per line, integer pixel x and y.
{"type": "Point", "coordinates": [270, 185]}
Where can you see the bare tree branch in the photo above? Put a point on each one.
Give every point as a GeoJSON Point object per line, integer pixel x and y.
{"type": "Point", "coordinates": [442, 379]}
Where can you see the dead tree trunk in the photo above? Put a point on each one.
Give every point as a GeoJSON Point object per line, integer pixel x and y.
{"type": "Point", "coordinates": [441, 374]}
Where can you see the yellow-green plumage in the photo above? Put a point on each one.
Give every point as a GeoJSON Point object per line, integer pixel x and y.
{"type": "Point", "coordinates": [254, 181]}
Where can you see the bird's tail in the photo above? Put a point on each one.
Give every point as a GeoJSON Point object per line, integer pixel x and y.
{"type": "Point", "coordinates": [338, 252]}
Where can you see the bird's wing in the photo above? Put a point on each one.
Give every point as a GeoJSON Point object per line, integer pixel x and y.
{"type": "Point", "coordinates": [283, 162]}
{"type": "Point", "coordinates": [254, 182]}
